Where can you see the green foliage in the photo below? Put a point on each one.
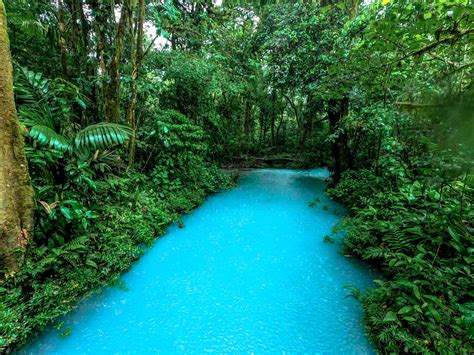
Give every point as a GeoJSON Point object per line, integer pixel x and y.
{"type": "Point", "coordinates": [51, 110]}
{"type": "Point", "coordinates": [189, 84]}
{"type": "Point", "coordinates": [177, 150]}
{"type": "Point", "coordinates": [419, 232]}
{"type": "Point", "coordinates": [240, 81]}
{"type": "Point", "coordinates": [409, 177]}
{"type": "Point", "coordinates": [328, 239]}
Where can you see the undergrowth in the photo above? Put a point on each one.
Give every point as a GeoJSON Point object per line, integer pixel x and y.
{"type": "Point", "coordinates": [416, 224]}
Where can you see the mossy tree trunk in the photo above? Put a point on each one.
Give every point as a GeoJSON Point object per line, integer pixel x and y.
{"type": "Point", "coordinates": [16, 192]}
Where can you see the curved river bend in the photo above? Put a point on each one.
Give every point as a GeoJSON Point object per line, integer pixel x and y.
{"type": "Point", "coordinates": [249, 272]}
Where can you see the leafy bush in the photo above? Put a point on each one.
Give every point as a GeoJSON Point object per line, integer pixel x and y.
{"type": "Point", "coordinates": [51, 110]}
{"type": "Point", "coordinates": [419, 230]}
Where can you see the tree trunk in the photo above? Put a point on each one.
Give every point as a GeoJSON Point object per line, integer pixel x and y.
{"type": "Point", "coordinates": [79, 38]}
{"type": "Point", "coordinates": [136, 59]}
{"type": "Point", "coordinates": [99, 28]}
{"type": "Point", "coordinates": [247, 118]}
{"type": "Point", "coordinates": [337, 108]}
{"type": "Point", "coordinates": [112, 98]}
{"type": "Point", "coordinates": [277, 133]}
{"type": "Point", "coordinates": [273, 116]}
{"type": "Point", "coordinates": [62, 39]}
{"type": "Point", "coordinates": [16, 192]}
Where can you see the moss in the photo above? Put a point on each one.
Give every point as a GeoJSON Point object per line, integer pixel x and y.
{"type": "Point", "coordinates": [16, 191]}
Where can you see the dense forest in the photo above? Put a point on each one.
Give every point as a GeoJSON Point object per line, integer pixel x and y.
{"type": "Point", "coordinates": [118, 116]}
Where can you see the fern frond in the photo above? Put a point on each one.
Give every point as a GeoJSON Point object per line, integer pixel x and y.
{"type": "Point", "coordinates": [72, 258]}
{"type": "Point", "coordinates": [102, 135]}
{"type": "Point", "coordinates": [398, 240]}
{"type": "Point", "coordinates": [76, 244]}
{"type": "Point", "coordinates": [374, 253]}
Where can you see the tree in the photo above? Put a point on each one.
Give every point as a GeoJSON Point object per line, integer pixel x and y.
{"type": "Point", "coordinates": [136, 62]}
{"type": "Point", "coordinates": [16, 191]}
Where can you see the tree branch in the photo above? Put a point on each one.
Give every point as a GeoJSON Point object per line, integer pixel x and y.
{"type": "Point", "coordinates": [430, 46]}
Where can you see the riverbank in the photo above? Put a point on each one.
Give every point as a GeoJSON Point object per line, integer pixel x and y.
{"type": "Point", "coordinates": [275, 161]}
{"type": "Point", "coordinates": [419, 235]}
{"type": "Point", "coordinates": [134, 212]}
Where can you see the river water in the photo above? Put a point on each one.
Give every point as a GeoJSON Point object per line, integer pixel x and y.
{"type": "Point", "coordinates": [250, 272]}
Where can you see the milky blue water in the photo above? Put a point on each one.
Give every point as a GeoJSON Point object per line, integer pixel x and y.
{"type": "Point", "coordinates": [248, 273]}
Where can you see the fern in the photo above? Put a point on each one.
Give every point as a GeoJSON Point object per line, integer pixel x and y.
{"type": "Point", "coordinates": [398, 240]}
{"type": "Point", "coordinates": [77, 244]}
{"type": "Point", "coordinates": [375, 253]}
{"type": "Point", "coordinates": [72, 251]}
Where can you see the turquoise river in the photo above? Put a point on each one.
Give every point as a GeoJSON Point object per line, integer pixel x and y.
{"type": "Point", "coordinates": [250, 272]}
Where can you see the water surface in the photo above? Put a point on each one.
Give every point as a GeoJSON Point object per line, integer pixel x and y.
{"type": "Point", "coordinates": [249, 272]}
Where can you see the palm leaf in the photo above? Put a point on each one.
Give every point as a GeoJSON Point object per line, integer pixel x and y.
{"type": "Point", "coordinates": [31, 87]}
{"type": "Point", "coordinates": [102, 135]}
{"type": "Point", "coordinates": [47, 136]}
{"type": "Point", "coordinates": [33, 116]}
